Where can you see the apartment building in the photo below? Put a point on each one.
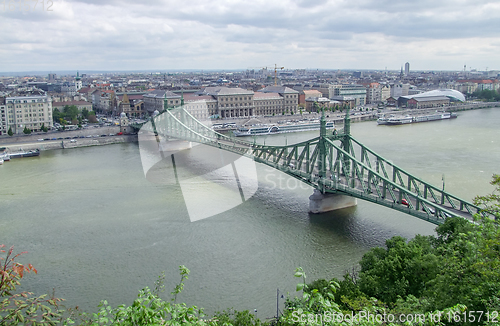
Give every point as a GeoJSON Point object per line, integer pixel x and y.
{"type": "Point", "coordinates": [3, 117]}
{"type": "Point", "coordinates": [31, 112]}
{"type": "Point", "coordinates": [357, 92]}
{"type": "Point", "coordinates": [268, 103]}
{"type": "Point", "coordinates": [201, 107]}
{"type": "Point", "coordinates": [154, 100]}
{"type": "Point", "coordinates": [374, 93]}
{"type": "Point", "coordinates": [399, 89]}
{"type": "Point", "coordinates": [232, 102]}
{"type": "Point", "coordinates": [385, 92]}
{"type": "Point", "coordinates": [307, 93]}
{"type": "Point", "coordinates": [228, 102]}
{"type": "Point", "coordinates": [290, 97]}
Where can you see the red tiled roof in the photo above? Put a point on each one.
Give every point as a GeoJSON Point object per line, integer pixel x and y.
{"type": "Point", "coordinates": [84, 90]}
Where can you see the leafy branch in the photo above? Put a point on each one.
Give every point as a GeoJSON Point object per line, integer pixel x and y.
{"type": "Point", "coordinates": [23, 307]}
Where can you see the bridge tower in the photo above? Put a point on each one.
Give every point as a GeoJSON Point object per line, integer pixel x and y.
{"type": "Point", "coordinates": [346, 143]}
{"type": "Point", "coordinates": [322, 146]}
{"type": "Point", "coordinates": [320, 201]}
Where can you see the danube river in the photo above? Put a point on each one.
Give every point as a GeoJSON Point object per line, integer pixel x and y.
{"type": "Point", "coordinates": [96, 228]}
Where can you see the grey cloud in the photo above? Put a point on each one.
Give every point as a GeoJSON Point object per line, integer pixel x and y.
{"type": "Point", "coordinates": [121, 32]}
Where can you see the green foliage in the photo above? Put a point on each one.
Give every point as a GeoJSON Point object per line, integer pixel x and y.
{"type": "Point", "coordinates": [400, 270]}
{"type": "Point", "coordinates": [459, 267]}
{"type": "Point", "coordinates": [150, 309]}
{"type": "Point", "coordinates": [9, 132]}
{"type": "Point", "coordinates": [26, 130]}
{"type": "Point", "coordinates": [23, 308]}
{"type": "Point", "coordinates": [43, 128]}
{"type": "Point", "coordinates": [349, 290]}
{"type": "Point", "coordinates": [491, 203]}
{"type": "Point", "coordinates": [57, 115]}
{"type": "Point", "coordinates": [469, 268]}
{"type": "Point", "coordinates": [236, 318]}
{"type": "Point", "coordinates": [361, 310]}
{"type": "Point", "coordinates": [488, 95]}
{"type": "Point", "coordinates": [316, 298]}
{"type": "Point", "coordinates": [70, 112]}
{"type": "Point", "coordinates": [85, 113]}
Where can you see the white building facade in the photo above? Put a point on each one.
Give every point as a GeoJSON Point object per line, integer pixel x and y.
{"type": "Point", "coordinates": [31, 112]}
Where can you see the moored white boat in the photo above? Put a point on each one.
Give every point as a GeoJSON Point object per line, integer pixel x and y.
{"type": "Point", "coordinates": [400, 120]}
{"type": "Point", "coordinates": [276, 129]}
{"type": "Point", "coordinates": [5, 156]}
{"type": "Point", "coordinates": [31, 153]}
{"type": "Point", "coordinates": [434, 116]}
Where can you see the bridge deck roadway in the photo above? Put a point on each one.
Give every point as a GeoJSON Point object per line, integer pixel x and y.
{"type": "Point", "coordinates": [342, 187]}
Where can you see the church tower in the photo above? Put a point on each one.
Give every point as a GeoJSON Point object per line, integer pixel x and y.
{"type": "Point", "coordinates": [78, 82]}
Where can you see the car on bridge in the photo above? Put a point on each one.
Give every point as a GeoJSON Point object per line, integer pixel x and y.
{"type": "Point", "coordinates": [405, 202]}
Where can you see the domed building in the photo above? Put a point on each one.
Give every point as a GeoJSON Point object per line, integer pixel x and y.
{"type": "Point", "coordinates": [431, 99]}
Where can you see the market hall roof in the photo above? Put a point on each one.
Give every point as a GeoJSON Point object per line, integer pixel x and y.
{"type": "Point", "coordinates": [450, 93]}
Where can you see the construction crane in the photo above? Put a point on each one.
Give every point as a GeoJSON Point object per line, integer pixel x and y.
{"type": "Point", "coordinates": [275, 72]}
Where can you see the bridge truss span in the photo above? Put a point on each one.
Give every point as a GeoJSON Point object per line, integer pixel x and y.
{"type": "Point", "coordinates": [332, 163]}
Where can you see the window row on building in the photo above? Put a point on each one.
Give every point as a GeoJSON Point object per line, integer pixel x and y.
{"type": "Point", "coordinates": [19, 112]}
{"type": "Point", "coordinates": [226, 102]}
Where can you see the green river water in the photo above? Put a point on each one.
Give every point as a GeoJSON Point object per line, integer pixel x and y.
{"type": "Point", "coordinates": [96, 228]}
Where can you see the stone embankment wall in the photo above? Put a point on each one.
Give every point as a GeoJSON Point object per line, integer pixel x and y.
{"type": "Point", "coordinates": [67, 143]}
{"type": "Point", "coordinates": [19, 143]}
{"type": "Point", "coordinates": [60, 134]}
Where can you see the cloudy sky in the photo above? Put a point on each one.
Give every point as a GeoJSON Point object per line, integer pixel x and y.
{"type": "Point", "coordinates": [235, 34]}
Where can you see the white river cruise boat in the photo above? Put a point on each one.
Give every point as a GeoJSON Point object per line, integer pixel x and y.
{"type": "Point", "coordinates": [276, 129]}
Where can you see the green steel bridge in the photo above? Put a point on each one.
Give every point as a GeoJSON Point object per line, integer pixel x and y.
{"type": "Point", "coordinates": [333, 163]}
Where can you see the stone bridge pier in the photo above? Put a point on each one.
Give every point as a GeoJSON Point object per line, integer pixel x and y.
{"type": "Point", "coordinates": [321, 203]}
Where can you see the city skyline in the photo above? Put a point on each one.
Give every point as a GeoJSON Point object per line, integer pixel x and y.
{"type": "Point", "coordinates": [233, 35]}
